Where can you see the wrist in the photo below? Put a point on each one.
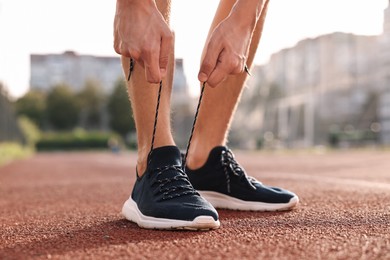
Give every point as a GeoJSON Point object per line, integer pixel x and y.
{"type": "Point", "coordinates": [247, 12]}
{"type": "Point", "coordinates": [124, 3]}
{"type": "Point", "coordinates": [134, 1]}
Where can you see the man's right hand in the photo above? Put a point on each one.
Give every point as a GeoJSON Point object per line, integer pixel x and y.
{"type": "Point", "coordinates": [140, 32]}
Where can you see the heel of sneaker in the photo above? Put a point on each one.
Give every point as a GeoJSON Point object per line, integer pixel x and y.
{"type": "Point", "coordinates": [129, 210]}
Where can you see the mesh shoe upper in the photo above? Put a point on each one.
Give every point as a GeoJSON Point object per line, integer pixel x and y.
{"type": "Point", "coordinates": [164, 191]}
{"type": "Point", "coordinates": [222, 173]}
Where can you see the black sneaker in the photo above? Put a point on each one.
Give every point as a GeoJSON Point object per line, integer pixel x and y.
{"type": "Point", "coordinates": [163, 198]}
{"type": "Point", "coordinates": [224, 183]}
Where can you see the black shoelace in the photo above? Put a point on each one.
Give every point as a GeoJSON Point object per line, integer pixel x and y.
{"type": "Point", "coordinates": [230, 166]}
{"type": "Point", "coordinates": [171, 187]}
{"type": "Point", "coordinates": [183, 185]}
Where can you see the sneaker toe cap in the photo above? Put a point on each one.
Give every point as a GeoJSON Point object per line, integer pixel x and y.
{"type": "Point", "coordinates": [283, 194]}
{"type": "Point", "coordinates": [270, 194]}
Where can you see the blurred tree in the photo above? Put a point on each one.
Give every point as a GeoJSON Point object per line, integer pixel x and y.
{"type": "Point", "coordinates": [91, 99]}
{"type": "Point", "coordinates": [119, 109]}
{"type": "Point", "coordinates": [33, 106]}
{"type": "Point", "coordinates": [9, 129]}
{"type": "Point", "coordinates": [62, 108]}
{"type": "Point", "coordinates": [30, 130]}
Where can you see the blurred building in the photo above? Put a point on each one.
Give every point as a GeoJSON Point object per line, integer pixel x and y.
{"type": "Point", "coordinates": [73, 69]}
{"type": "Point", "coordinates": [183, 106]}
{"type": "Point", "coordinates": [180, 85]}
{"type": "Point", "coordinates": [333, 83]}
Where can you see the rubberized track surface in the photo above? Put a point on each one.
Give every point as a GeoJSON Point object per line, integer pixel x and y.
{"type": "Point", "coordinates": [66, 206]}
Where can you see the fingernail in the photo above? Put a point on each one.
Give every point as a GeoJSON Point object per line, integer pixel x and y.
{"type": "Point", "coordinates": [163, 71]}
{"type": "Point", "coordinates": [202, 77]}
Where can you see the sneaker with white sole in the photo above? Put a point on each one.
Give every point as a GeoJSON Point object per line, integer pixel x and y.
{"type": "Point", "coordinates": [224, 183]}
{"type": "Point", "coordinates": [163, 197]}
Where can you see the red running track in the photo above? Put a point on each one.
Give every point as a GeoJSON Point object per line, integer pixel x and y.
{"type": "Point", "coordinates": [67, 206]}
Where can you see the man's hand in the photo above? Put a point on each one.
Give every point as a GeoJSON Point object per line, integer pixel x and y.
{"type": "Point", "coordinates": [140, 32]}
{"type": "Point", "coordinates": [226, 53]}
{"type": "Point", "coordinates": [228, 45]}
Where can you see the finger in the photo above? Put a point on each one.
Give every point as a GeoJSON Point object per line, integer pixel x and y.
{"type": "Point", "coordinates": [165, 51]}
{"type": "Point", "coordinates": [136, 55]}
{"type": "Point", "coordinates": [209, 62]}
{"type": "Point", "coordinates": [217, 76]}
{"type": "Point", "coordinates": [116, 38]}
{"type": "Point", "coordinates": [151, 63]}
{"type": "Point", "coordinates": [237, 67]}
{"type": "Point", "coordinates": [117, 43]}
{"type": "Point", "coordinates": [116, 47]}
{"type": "Point", "coordinates": [140, 63]}
{"type": "Point", "coordinates": [124, 50]}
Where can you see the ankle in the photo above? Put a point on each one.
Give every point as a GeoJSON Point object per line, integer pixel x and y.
{"type": "Point", "coordinates": [142, 159]}
{"type": "Point", "coordinates": [143, 155]}
{"type": "Point", "coordinates": [196, 158]}
{"type": "Point", "coordinates": [144, 151]}
{"type": "Point", "coordinates": [141, 164]}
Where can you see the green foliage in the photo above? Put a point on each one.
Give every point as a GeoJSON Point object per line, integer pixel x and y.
{"type": "Point", "coordinates": [62, 108]}
{"type": "Point", "coordinates": [29, 130]}
{"type": "Point", "coordinates": [13, 151]}
{"type": "Point", "coordinates": [33, 106]}
{"type": "Point", "coordinates": [75, 140]}
{"type": "Point", "coordinates": [352, 137]}
{"type": "Point", "coordinates": [91, 99]}
{"type": "Point", "coordinates": [119, 110]}
{"type": "Point", "coordinates": [9, 129]}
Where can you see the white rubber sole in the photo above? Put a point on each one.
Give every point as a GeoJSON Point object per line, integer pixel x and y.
{"type": "Point", "coordinates": [222, 201]}
{"type": "Point", "coordinates": [131, 212]}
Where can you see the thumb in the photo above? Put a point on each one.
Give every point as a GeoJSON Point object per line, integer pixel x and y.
{"type": "Point", "coordinates": [165, 51]}
{"type": "Point", "coordinates": [208, 63]}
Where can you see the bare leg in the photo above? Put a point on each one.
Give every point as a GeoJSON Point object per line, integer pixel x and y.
{"type": "Point", "coordinates": [143, 97]}
{"type": "Point", "coordinates": [219, 103]}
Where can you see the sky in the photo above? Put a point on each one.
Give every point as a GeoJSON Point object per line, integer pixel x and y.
{"type": "Point", "coordinates": [85, 26]}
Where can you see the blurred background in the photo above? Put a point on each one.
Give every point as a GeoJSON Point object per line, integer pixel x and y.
{"type": "Point", "coordinates": [321, 77]}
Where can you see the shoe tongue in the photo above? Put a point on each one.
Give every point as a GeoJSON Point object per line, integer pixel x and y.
{"type": "Point", "coordinates": [215, 153]}
{"type": "Point", "coordinates": [164, 156]}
